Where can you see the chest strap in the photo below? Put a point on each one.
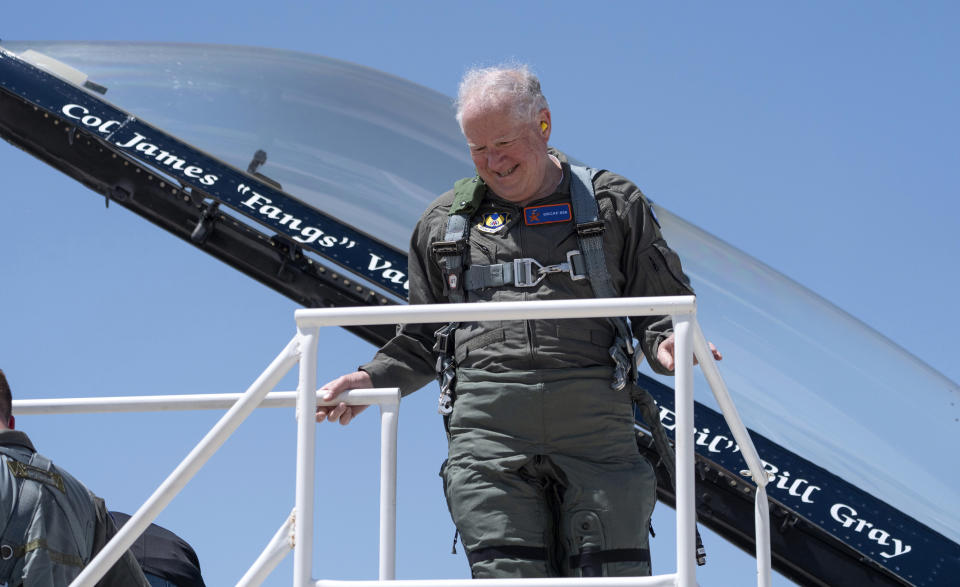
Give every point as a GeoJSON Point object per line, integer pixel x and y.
{"type": "Point", "coordinates": [525, 272]}
{"type": "Point", "coordinates": [589, 261]}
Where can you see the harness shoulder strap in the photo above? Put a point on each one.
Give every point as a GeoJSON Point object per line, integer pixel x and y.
{"type": "Point", "coordinates": [590, 229]}
{"type": "Point", "coordinates": [451, 260]}
{"type": "Point", "coordinates": [467, 194]}
{"type": "Point", "coordinates": [590, 237]}
{"type": "Point", "coordinates": [36, 472]}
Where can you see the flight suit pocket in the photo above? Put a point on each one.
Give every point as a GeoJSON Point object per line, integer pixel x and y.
{"type": "Point", "coordinates": [473, 343]}
{"type": "Point", "coordinates": [665, 264]}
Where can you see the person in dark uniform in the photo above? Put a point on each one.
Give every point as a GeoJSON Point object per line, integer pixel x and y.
{"type": "Point", "coordinates": [543, 477]}
{"type": "Point", "coordinates": [166, 559]}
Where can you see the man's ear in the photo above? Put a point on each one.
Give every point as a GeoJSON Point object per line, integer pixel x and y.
{"type": "Point", "coordinates": [545, 124]}
{"type": "Point", "coordinates": [12, 424]}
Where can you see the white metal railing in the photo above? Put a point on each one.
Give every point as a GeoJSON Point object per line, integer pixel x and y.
{"type": "Point", "coordinates": [296, 533]}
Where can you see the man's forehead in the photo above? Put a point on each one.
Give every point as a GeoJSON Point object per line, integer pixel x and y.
{"type": "Point", "coordinates": [481, 140]}
{"type": "Point", "coordinates": [491, 125]}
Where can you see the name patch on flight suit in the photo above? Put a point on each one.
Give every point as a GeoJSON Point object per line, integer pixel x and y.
{"type": "Point", "coordinates": [493, 222]}
{"type": "Point", "coordinates": [546, 214]}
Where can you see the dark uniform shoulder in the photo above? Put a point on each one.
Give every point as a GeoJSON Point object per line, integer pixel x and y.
{"type": "Point", "coordinates": [464, 198]}
{"type": "Point", "coordinates": [620, 196]}
{"type": "Point", "coordinates": [438, 209]}
{"type": "Point", "coordinates": [612, 185]}
{"type": "Point", "coordinates": [441, 203]}
{"type": "Point", "coordinates": [432, 223]}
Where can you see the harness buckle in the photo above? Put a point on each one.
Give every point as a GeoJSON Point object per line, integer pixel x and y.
{"type": "Point", "coordinates": [446, 369]}
{"type": "Point", "coordinates": [445, 402]}
{"type": "Point", "coordinates": [623, 366]}
{"type": "Point", "coordinates": [443, 340]}
{"type": "Point", "coordinates": [523, 275]}
{"type": "Point", "coordinates": [445, 248]}
{"type": "Point", "coordinates": [575, 258]}
{"type": "Point", "coordinates": [590, 228]}
{"type": "Point", "coordinates": [446, 372]}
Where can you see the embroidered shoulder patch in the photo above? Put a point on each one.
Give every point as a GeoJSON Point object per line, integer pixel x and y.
{"type": "Point", "coordinates": [546, 214]}
{"type": "Point", "coordinates": [493, 221]}
{"type": "Point", "coordinates": [26, 471]}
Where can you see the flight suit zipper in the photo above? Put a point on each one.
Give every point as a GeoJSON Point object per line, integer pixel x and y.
{"type": "Point", "coordinates": [485, 249]}
{"type": "Point", "coordinates": [530, 328]}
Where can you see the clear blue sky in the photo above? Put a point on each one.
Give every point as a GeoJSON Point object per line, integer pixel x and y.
{"type": "Point", "coordinates": [821, 139]}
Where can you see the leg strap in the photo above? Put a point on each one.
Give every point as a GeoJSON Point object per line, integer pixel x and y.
{"type": "Point", "coordinates": [507, 551]}
{"type": "Point", "coordinates": [591, 563]}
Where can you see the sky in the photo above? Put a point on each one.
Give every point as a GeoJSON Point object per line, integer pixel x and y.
{"type": "Point", "coordinates": [819, 138]}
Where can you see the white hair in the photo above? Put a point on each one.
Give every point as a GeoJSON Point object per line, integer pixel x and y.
{"type": "Point", "coordinates": [504, 85]}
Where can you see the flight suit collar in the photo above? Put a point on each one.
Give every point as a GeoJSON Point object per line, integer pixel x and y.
{"type": "Point", "coordinates": [16, 438]}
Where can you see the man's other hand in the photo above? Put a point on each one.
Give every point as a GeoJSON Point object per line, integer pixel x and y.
{"type": "Point", "coordinates": [342, 412]}
{"type": "Point", "coordinates": [665, 353]}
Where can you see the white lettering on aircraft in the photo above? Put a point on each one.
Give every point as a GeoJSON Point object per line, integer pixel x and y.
{"type": "Point", "coordinates": [795, 486]}
{"type": "Point", "coordinates": [138, 143]}
{"type": "Point", "coordinates": [717, 443]}
{"type": "Point", "coordinates": [265, 207]}
{"type": "Point", "coordinates": [847, 516]}
{"type": "Point", "coordinates": [389, 273]}
{"type": "Point", "coordinates": [783, 481]}
{"type": "Point", "coordinates": [257, 202]}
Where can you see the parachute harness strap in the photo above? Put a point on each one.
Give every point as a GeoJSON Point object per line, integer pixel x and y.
{"type": "Point", "coordinates": [522, 272]}
{"type": "Point", "coordinates": [449, 253]}
{"type": "Point", "coordinates": [590, 237]}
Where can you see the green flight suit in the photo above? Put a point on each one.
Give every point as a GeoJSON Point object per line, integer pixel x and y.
{"type": "Point", "coordinates": [543, 476]}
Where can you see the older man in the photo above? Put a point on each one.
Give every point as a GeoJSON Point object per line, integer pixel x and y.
{"type": "Point", "coordinates": [543, 476]}
{"type": "Point", "coordinates": [51, 526]}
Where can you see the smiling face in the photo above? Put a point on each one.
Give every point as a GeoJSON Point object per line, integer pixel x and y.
{"type": "Point", "coordinates": [510, 154]}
